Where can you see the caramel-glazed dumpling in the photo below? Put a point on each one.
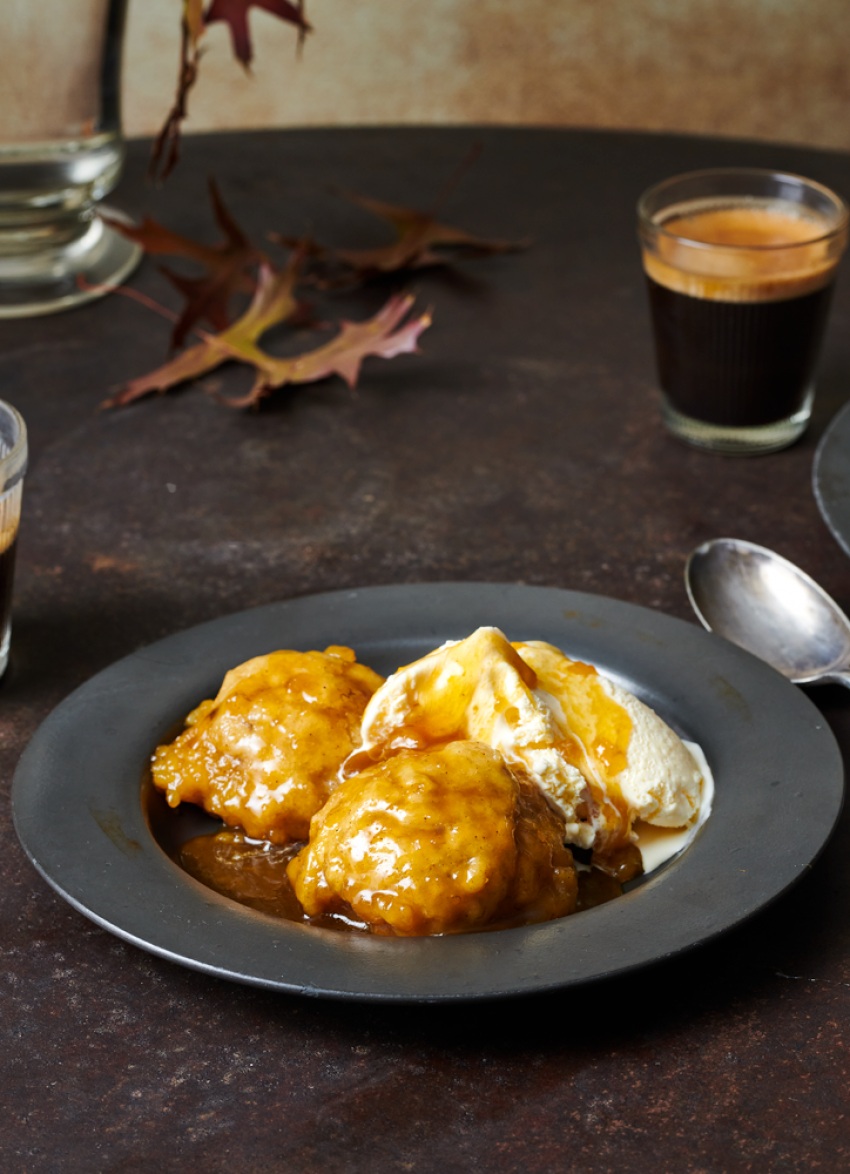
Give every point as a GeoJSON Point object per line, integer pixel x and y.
{"type": "Point", "coordinates": [479, 689]}
{"type": "Point", "coordinates": [264, 754]}
{"type": "Point", "coordinates": [434, 842]}
{"type": "Point", "coordinates": [601, 756]}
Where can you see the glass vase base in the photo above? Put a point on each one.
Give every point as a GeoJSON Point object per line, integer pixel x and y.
{"type": "Point", "coordinates": [740, 440]}
{"type": "Point", "coordinates": [46, 281]}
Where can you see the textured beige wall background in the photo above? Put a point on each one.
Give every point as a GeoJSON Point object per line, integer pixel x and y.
{"type": "Point", "coordinates": [773, 69]}
{"type": "Point", "coordinates": [65, 102]}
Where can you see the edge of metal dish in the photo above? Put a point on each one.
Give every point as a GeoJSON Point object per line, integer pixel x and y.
{"type": "Point", "coordinates": [824, 494]}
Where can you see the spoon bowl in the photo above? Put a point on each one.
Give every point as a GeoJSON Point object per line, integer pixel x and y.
{"type": "Point", "coordinates": [760, 601]}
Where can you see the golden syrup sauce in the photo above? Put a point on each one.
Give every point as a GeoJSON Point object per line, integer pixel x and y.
{"type": "Point", "coordinates": [598, 748]}
{"type": "Point", "coordinates": [602, 725]}
{"type": "Point", "coordinates": [253, 873]}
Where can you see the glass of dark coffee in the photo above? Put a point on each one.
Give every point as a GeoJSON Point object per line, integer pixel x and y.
{"type": "Point", "coordinates": [13, 466]}
{"type": "Point", "coordinates": [740, 265]}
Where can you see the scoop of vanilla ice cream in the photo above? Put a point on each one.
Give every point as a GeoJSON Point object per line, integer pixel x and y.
{"type": "Point", "coordinates": [662, 781]}
{"type": "Point", "coordinates": [600, 755]}
{"type": "Point", "coordinates": [629, 749]}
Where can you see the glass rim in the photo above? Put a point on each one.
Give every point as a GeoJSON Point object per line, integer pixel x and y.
{"type": "Point", "coordinates": [646, 221]}
{"type": "Point", "coordinates": [13, 464]}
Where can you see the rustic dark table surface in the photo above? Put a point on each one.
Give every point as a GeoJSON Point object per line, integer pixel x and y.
{"type": "Point", "coordinates": [524, 444]}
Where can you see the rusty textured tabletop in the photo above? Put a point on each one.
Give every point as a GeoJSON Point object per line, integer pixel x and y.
{"type": "Point", "coordinates": [523, 444]}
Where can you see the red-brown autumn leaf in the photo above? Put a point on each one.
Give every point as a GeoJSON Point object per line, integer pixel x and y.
{"type": "Point", "coordinates": [381, 335]}
{"type": "Point", "coordinates": [206, 301]}
{"type": "Point", "coordinates": [235, 13]}
{"type": "Point", "coordinates": [418, 234]}
{"type": "Point", "coordinates": [227, 265]}
{"type": "Point", "coordinates": [421, 241]}
{"type": "Point", "coordinates": [165, 152]}
{"type": "Point", "coordinates": [274, 301]}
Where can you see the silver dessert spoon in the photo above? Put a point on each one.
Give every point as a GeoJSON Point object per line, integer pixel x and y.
{"type": "Point", "coordinates": [759, 600]}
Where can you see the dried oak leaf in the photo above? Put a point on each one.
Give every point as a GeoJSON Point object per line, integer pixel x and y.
{"type": "Point", "coordinates": [381, 335]}
{"type": "Point", "coordinates": [227, 265]}
{"type": "Point", "coordinates": [274, 301]}
{"type": "Point", "coordinates": [418, 237]}
{"type": "Point", "coordinates": [165, 152]}
{"type": "Point", "coordinates": [235, 13]}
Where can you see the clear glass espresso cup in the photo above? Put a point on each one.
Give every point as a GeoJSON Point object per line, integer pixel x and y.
{"type": "Point", "coordinates": [740, 265]}
{"type": "Point", "coordinates": [13, 466]}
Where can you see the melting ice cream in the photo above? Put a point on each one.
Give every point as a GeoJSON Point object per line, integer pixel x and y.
{"type": "Point", "coordinates": [605, 759]}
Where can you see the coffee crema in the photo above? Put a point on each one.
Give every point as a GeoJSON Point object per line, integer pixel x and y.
{"type": "Point", "coordinates": [742, 251]}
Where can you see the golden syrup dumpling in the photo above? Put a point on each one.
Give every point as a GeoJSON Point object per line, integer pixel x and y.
{"type": "Point", "coordinates": [480, 689]}
{"type": "Point", "coordinates": [264, 754]}
{"type": "Point", "coordinates": [426, 842]}
{"type": "Point", "coordinates": [421, 843]}
{"type": "Point", "coordinates": [545, 884]}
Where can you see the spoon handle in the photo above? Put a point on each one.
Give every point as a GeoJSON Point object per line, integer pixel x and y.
{"type": "Point", "coordinates": [839, 677]}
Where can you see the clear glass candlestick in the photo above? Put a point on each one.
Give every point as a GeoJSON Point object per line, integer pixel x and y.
{"type": "Point", "coordinates": [61, 151]}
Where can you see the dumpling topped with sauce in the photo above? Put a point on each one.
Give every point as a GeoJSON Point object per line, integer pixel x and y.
{"type": "Point", "coordinates": [598, 753]}
{"type": "Point", "coordinates": [263, 755]}
{"type": "Point", "coordinates": [479, 688]}
{"type": "Point", "coordinates": [437, 841]}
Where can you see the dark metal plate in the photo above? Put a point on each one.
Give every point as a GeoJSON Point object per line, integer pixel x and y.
{"type": "Point", "coordinates": [777, 768]}
{"type": "Point", "coordinates": [831, 477]}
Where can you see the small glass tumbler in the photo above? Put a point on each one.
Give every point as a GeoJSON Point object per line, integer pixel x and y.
{"type": "Point", "coordinates": [740, 264]}
{"type": "Point", "coordinates": [13, 466]}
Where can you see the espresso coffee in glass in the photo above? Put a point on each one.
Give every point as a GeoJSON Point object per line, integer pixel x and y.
{"type": "Point", "coordinates": [13, 466]}
{"type": "Point", "coordinates": [740, 266]}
